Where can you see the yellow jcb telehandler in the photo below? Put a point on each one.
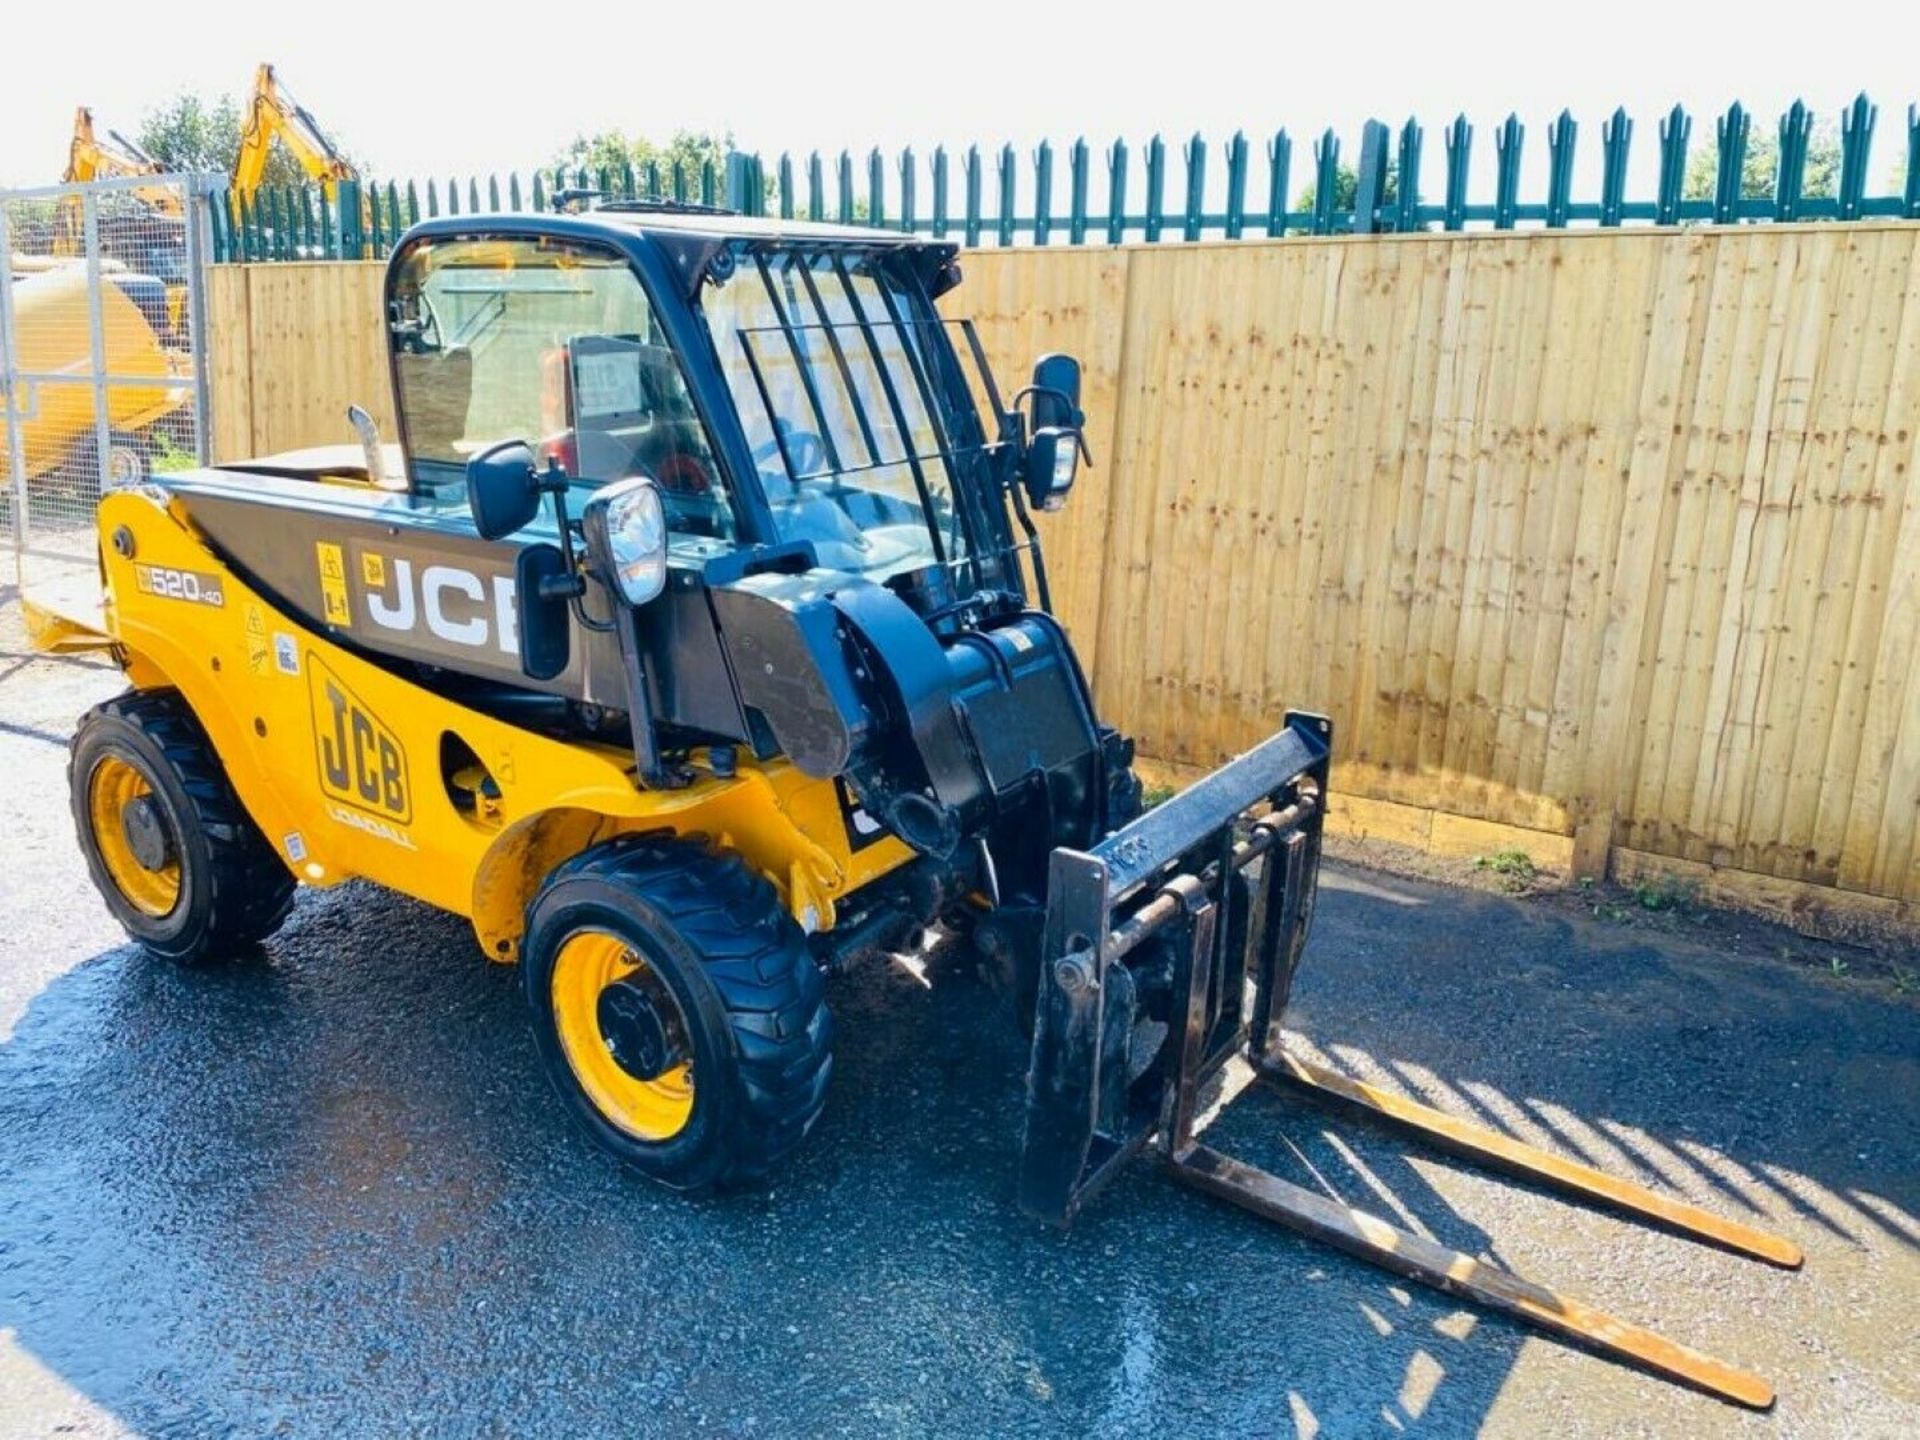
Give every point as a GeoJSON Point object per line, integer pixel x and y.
{"type": "Point", "coordinates": [696, 635]}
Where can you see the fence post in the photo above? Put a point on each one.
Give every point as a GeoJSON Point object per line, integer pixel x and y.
{"type": "Point", "coordinates": [1370, 180]}
{"type": "Point", "coordinates": [742, 193]}
{"type": "Point", "coordinates": [351, 221]}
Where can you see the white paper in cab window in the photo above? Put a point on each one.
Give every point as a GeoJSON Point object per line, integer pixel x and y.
{"type": "Point", "coordinates": [606, 383]}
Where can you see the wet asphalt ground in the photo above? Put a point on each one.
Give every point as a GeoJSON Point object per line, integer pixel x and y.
{"type": "Point", "coordinates": [325, 1192]}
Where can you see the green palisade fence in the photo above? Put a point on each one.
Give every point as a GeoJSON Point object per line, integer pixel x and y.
{"type": "Point", "coordinates": [1384, 190]}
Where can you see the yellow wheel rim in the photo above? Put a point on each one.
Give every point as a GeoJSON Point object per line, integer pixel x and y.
{"type": "Point", "coordinates": [114, 785]}
{"type": "Point", "coordinates": [590, 963]}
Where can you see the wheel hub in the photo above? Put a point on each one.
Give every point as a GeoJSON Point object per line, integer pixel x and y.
{"type": "Point", "coordinates": [146, 831]}
{"type": "Point", "coordinates": [634, 1031]}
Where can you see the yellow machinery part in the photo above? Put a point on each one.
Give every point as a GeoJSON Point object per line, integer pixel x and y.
{"type": "Point", "coordinates": [589, 961]}
{"type": "Point", "coordinates": [111, 788]}
{"type": "Point", "coordinates": [51, 329]}
{"type": "Point", "coordinates": [354, 772]}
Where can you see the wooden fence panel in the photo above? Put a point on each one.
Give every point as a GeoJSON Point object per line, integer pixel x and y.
{"type": "Point", "coordinates": [1612, 536]}
{"type": "Point", "coordinates": [1074, 305]}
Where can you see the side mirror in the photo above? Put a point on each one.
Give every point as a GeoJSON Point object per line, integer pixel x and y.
{"type": "Point", "coordinates": [1056, 392]}
{"type": "Point", "coordinates": [503, 489]}
{"type": "Point", "coordinates": [1055, 447]}
{"type": "Point", "coordinates": [1051, 456]}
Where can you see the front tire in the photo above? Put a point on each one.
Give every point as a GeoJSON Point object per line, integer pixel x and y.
{"type": "Point", "coordinates": [172, 851]}
{"type": "Point", "coordinates": [677, 1010]}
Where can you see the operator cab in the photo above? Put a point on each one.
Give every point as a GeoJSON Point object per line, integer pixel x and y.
{"type": "Point", "coordinates": [787, 389]}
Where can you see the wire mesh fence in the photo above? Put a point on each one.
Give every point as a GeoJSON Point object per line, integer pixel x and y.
{"type": "Point", "coordinates": [102, 353]}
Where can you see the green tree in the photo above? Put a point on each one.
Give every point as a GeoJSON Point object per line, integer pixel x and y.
{"type": "Point", "coordinates": [190, 132]}
{"type": "Point", "coordinates": [1760, 166]}
{"type": "Point", "coordinates": [609, 150]}
{"type": "Point", "coordinates": [1346, 186]}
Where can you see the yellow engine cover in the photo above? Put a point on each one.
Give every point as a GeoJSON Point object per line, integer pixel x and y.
{"type": "Point", "coordinates": [352, 771]}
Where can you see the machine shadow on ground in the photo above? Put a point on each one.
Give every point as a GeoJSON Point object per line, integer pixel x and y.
{"type": "Point", "coordinates": [327, 1190]}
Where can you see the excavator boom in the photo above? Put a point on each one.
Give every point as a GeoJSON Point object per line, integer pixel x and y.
{"type": "Point", "coordinates": [271, 112]}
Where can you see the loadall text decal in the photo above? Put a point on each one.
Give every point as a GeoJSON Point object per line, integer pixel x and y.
{"type": "Point", "coordinates": [361, 762]}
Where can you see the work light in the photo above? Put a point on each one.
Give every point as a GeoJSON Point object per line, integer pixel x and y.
{"type": "Point", "coordinates": [626, 533]}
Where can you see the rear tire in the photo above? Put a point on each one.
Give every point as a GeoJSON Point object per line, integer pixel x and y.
{"type": "Point", "coordinates": [172, 851]}
{"type": "Point", "coordinates": [677, 1010]}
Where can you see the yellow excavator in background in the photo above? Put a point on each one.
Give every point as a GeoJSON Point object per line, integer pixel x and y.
{"type": "Point", "coordinates": [147, 237]}
{"type": "Point", "coordinates": [114, 158]}
{"type": "Point", "coordinates": [272, 111]}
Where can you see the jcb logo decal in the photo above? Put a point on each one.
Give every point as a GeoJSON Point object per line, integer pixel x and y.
{"type": "Point", "coordinates": [449, 602]}
{"type": "Point", "coordinates": [361, 761]}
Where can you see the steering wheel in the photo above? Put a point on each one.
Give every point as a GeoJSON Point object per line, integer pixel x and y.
{"type": "Point", "coordinates": [805, 451]}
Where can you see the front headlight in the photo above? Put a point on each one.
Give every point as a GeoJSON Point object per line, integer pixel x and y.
{"type": "Point", "coordinates": [626, 531]}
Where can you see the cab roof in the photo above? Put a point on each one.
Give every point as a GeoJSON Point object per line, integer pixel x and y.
{"type": "Point", "coordinates": [688, 237]}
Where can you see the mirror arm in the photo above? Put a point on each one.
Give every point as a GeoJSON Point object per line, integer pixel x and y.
{"type": "Point", "coordinates": [1079, 426]}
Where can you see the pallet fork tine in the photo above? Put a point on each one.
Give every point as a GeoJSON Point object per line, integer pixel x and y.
{"type": "Point", "coordinates": [1168, 880]}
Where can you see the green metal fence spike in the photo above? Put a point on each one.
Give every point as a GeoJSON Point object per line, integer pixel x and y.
{"type": "Point", "coordinates": [513, 191]}
{"type": "Point", "coordinates": [539, 196]}
{"type": "Point", "coordinates": [1674, 131]}
{"type": "Point", "coordinates": [216, 207]}
{"type": "Point", "coordinates": [328, 234]}
{"type": "Point", "coordinates": [1856, 142]}
{"type": "Point", "coordinates": [1789, 183]}
{"type": "Point", "coordinates": [1911, 200]}
{"type": "Point", "coordinates": [1407, 205]}
{"type": "Point", "coordinates": [1730, 133]}
{"type": "Point", "coordinates": [626, 178]}
{"type": "Point", "coordinates": [453, 197]}
{"type": "Point", "coordinates": [1560, 144]}
{"type": "Point", "coordinates": [940, 192]}
{"type": "Point", "coordinates": [907, 179]}
{"type": "Point", "coordinates": [816, 187]}
{"type": "Point", "coordinates": [786, 186]}
{"type": "Point", "coordinates": [1196, 160]}
{"type": "Point", "coordinates": [1042, 193]}
{"type": "Point", "coordinates": [493, 192]}
{"type": "Point", "coordinates": [1116, 192]}
{"type": "Point", "coordinates": [1009, 196]}
{"type": "Point", "coordinates": [1459, 152]}
{"type": "Point", "coordinates": [845, 179]}
{"type": "Point", "coordinates": [677, 182]}
{"type": "Point", "coordinates": [1078, 160]}
{"type": "Point", "coordinates": [1370, 180]}
{"type": "Point", "coordinates": [1236, 185]}
{"type": "Point", "coordinates": [709, 183]}
{"type": "Point", "coordinates": [376, 232]}
{"type": "Point", "coordinates": [1616, 137]}
{"type": "Point", "coordinates": [1326, 181]}
{"type": "Point", "coordinates": [1506, 153]}
{"type": "Point", "coordinates": [876, 187]}
{"type": "Point", "coordinates": [970, 183]}
{"type": "Point", "coordinates": [1156, 186]}
{"type": "Point", "coordinates": [1279, 162]}
{"type": "Point", "coordinates": [652, 170]}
